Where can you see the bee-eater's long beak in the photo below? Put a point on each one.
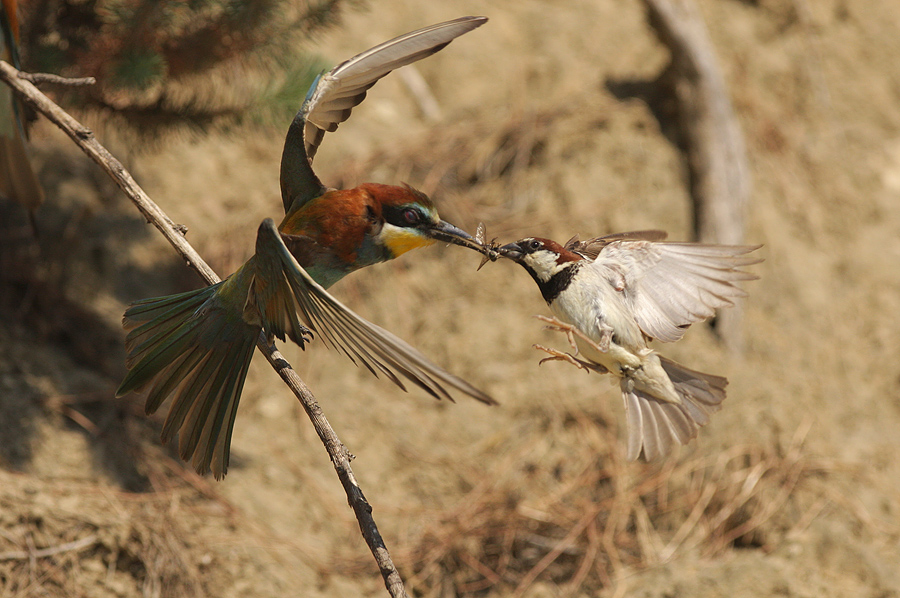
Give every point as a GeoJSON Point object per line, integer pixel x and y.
{"type": "Point", "coordinates": [512, 251]}
{"type": "Point", "coordinates": [446, 232]}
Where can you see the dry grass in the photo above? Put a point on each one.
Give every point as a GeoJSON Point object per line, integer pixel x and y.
{"type": "Point", "coordinates": [79, 539]}
{"type": "Point", "coordinates": [88, 538]}
{"type": "Point", "coordinates": [593, 519]}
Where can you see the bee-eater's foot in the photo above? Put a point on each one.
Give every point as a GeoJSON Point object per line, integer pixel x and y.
{"type": "Point", "coordinates": [305, 336]}
{"type": "Point", "coordinates": [300, 336]}
{"type": "Point", "coordinates": [556, 355]}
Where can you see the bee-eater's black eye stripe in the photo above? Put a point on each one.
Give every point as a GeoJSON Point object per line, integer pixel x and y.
{"type": "Point", "coordinates": [404, 216]}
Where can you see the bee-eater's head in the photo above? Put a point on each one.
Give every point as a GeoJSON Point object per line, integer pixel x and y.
{"type": "Point", "coordinates": [409, 220]}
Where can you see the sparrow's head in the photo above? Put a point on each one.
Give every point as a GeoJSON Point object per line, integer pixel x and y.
{"type": "Point", "coordinates": [404, 218]}
{"type": "Point", "coordinates": [542, 257]}
{"type": "Point", "coordinates": [549, 263]}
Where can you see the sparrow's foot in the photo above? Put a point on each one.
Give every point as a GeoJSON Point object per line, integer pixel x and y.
{"type": "Point", "coordinates": [571, 332]}
{"type": "Point", "coordinates": [556, 355]}
{"type": "Point", "coordinates": [560, 326]}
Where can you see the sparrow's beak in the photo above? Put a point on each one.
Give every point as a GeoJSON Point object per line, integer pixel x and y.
{"type": "Point", "coordinates": [512, 251]}
{"type": "Point", "coordinates": [446, 232]}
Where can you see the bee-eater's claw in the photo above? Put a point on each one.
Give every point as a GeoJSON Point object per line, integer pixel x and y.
{"type": "Point", "coordinates": [301, 337]}
{"type": "Point", "coordinates": [305, 336]}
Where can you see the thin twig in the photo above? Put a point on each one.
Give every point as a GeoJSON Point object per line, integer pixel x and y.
{"type": "Point", "coordinates": [38, 78]}
{"type": "Point", "coordinates": [84, 138]}
{"type": "Point", "coordinates": [21, 555]}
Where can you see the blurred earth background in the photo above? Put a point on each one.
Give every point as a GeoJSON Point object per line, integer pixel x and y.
{"type": "Point", "coordinates": [793, 489]}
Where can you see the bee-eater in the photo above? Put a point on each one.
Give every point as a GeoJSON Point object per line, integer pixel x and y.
{"type": "Point", "coordinates": [198, 345]}
{"type": "Point", "coordinates": [17, 179]}
{"type": "Point", "coordinates": [621, 291]}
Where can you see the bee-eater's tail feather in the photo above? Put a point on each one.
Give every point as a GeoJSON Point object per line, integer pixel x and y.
{"type": "Point", "coordinates": [655, 426]}
{"type": "Point", "coordinates": [190, 346]}
{"type": "Point", "coordinates": [155, 331]}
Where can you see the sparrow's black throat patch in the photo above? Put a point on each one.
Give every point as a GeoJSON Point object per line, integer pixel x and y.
{"type": "Point", "coordinates": [557, 283]}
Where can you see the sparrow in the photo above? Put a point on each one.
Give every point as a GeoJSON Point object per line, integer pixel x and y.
{"type": "Point", "coordinates": [17, 178]}
{"type": "Point", "coordinates": [197, 346]}
{"type": "Point", "coordinates": [615, 294]}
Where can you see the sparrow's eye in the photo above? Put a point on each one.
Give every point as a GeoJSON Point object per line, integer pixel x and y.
{"type": "Point", "coordinates": [410, 216]}
{"type": "Point", "coordinates": [534, 245]}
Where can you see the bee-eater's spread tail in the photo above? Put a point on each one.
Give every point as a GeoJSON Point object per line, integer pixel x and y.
{"type": "Point", "coordinates": [657, 426]}
{"type": "Point", "coordinates": [192, 347]}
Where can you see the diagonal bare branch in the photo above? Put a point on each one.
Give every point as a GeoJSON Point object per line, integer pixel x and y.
{"type": "Point", "coordinates": [340, 457]}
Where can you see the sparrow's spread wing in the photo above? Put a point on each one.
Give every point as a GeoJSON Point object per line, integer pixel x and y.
{"type": "Point", "coordinates": [592, 247]}
{"type": "Point", "coordinates": [334, 95]}
{"type": "Point", "coordinates": [283, 291]}
{"type": "Point", "coordinates": [669, 286]}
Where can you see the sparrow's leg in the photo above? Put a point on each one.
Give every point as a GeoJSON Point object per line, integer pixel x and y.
{"type": "Point", "coordinates": [560, 326]}
{"type": "Point", "coordinates": [555, 355]}
{"type": "Point", "coordinates": [606, 332]}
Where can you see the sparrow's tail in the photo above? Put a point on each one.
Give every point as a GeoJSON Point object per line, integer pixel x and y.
{"type": "Point", "coordinates": [197, 347]}
{"type": "Point", "coordinates": [657, 426]}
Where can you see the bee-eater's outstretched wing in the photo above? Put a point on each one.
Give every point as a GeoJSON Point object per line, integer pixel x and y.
{"type": "Point", "coordinates": [334, 94]}
{"type": "Point", "coordinates": [284, 289]}
{"type": "Point", "coordinates": [17, 178]}
{"type": "Point", "coordinates": [673, 285]}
